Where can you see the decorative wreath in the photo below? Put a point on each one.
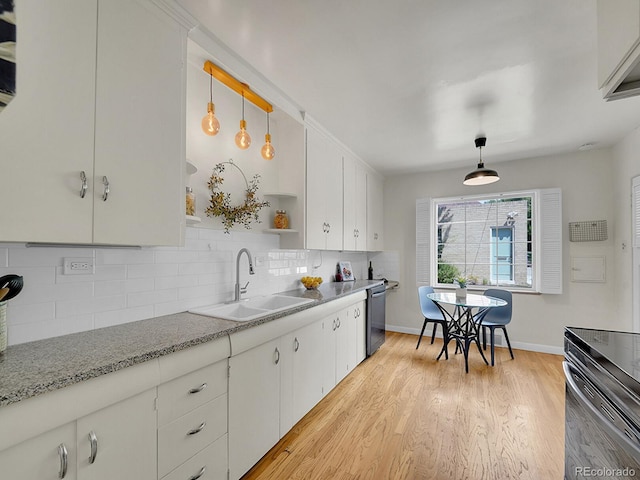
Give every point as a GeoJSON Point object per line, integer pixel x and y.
{"type": "Point", "coordinates": [221, 202]}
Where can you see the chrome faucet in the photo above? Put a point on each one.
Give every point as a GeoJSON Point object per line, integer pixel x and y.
{"type": "Point", "coordinates": [240, 290]}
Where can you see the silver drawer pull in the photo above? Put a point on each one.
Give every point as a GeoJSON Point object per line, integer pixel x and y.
{"type": "Point", "coordinates": [93, 441]}
{"type": "Point", "coordinates": [296, 344]}
{"type": "Point", "coordinates": [83, 187]}
{"type": "Point", "coordinates": [199, 474]}
{"type": "Point", "coordinates": [198, 389]}
{"type": "Point", "coordinates": [105, 182]}
{"type": "Point", "coordinates": [277, 356]}
{"type": "Point", "coordinates": [64, 458]}
{"type": "Point", "coordinates": [197, 430]}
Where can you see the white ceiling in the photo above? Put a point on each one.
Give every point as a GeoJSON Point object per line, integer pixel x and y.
{"type": "Point", "coordinates": [409, 84]}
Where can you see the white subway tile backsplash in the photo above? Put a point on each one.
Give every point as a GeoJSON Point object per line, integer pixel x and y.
{"type": "Point", "coordinates": [117, 317]}
{"type": "Point", "coordinates": [161, 270]}
{"type": "Point", "coordinates": [133, 284]}
{"type": "Point", "coordinates": [39, 293]}
{"type": "Point", "coordinates": [30, 313]}
{"type": "Point", "coordinates": [124, 256]}
{"type": "Point", "coordinates": [70, 308]}
{"type": "Point", "coordinates": [22, 256]}
{"type": "Point", "coordinates": [150, 298]}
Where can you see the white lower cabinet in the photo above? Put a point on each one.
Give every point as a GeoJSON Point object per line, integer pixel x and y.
{"type": "Point", "coordinates": [192, 418]}
{"type": "Point", "coordinates": [254, 405]}
{"type": "Point", "coordinates": [301, 375]}
{"type": "Point", "coordinates": [49, 456]}
{"type": "Point", "coordinates": [340, 340]}
{"type": "Point", "coordinates": [119, 441]}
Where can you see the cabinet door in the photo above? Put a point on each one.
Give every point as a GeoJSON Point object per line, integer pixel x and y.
{"type": "Point", "coordinates": [254, 405]}
{"type": "Point", "coordinates": [139, 125]}
{"type": "Point", "coordinates": [306, 352]}
{"type": "Point", "coordinates": [361, 332]}
{"type": "Point", "coordinates": [375, 206]}
{"type": "Point", "coordinates": [329, 344]}
{"type": "Point", "coordinates": [333, 196]}
{"type": "Point", "coordinates": [316, 191]}
{"type": "Point", "coordinates": [350, 206]}
{"type": "Point", "coordinates": [125, 443]}
{"type": "Point", "coordinates": [46, 132]}
{"type": "Point", "coordinates": [42, 457]}
{"type": "Point", "coordinates": [360, 202]}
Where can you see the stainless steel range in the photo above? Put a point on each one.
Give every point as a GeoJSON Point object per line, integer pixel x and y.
{"type": "Point", "coordinates": [602, 409]}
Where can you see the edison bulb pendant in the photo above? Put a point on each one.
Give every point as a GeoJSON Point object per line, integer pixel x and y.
{"type": "Point", "coordinates": [268, 152]}
{"type": "Point", "coordinates": [210, 124]}
{"type": "Point", "coordinates": [243, 139]}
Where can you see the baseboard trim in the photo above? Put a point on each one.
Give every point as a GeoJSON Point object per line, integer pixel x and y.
{"type": "Point", "coordinates": [532, 347]}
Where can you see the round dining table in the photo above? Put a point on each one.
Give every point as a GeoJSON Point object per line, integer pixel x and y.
{"type": "Point", "coordinates": [464, 326]}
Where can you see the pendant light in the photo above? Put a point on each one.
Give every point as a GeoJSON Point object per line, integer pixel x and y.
{"type": "Point", "coordinates": [243, 139]}
{"type": "Point", "coordinates": [210, 124]}
{"type": "Point", "coordinates": [481, 175]}
{"type": "Point", "coordinates": [268, 152]}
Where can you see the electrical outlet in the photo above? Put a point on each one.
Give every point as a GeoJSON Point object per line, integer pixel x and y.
{"type": "Point", "coordinates": [78, 266]}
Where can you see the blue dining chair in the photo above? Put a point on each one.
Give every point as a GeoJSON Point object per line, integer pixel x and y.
{"type": "Point", "coordinates": [432, 313]}
{"type": "Point", "coordinates": [496, 317]}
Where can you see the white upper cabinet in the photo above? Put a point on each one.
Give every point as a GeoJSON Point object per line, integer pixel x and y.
{"type": "Point", "coordinates": [140, 119]}
{"type": "Point", "coordinates": [323, 193]}
{"type": "Point", "coordinates": [355, 205]}
{"type": "Point", "coordinates": [100, 93]}
{"type": "Point", "coordinates": [375, 204]}
{"type": "Point", "coordinates": [619, 48]}
{"type": "Point", "coordinates": [46, 132]}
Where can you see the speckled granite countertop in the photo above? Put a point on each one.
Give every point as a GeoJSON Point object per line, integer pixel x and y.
{"type": "Point", "coordinates": [33, 368]}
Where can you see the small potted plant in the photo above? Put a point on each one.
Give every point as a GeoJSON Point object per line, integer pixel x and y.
{"type": "Point", "coordinates": [461, 287]}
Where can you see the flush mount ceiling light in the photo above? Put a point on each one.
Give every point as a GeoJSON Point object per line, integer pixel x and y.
{"type": "Point", "coordinates": [481, 175]}
{"type": "Point", "coordinates": [210, 124]}
{"type": "Point", "coordinates": [268, 152]}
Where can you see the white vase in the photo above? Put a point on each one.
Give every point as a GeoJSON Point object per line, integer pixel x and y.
{"type": "Point", "coordinates": [461, 292]}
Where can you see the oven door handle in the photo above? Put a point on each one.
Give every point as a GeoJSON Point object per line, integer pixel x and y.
{"type": "Point", "coordinates": [611, 428]}
{"type": "Point", "coordinates": [379, 294]}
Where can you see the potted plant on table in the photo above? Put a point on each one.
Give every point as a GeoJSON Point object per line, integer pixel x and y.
{"type": "Point", "coordinates": [461, 286]}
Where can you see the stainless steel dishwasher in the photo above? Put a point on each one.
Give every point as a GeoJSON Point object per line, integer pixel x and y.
{"type": "Point", "coordinates": [376, 305]}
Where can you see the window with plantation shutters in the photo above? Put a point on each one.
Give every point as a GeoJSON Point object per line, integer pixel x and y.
{"type": "Point", "coordinates": [511, 240]}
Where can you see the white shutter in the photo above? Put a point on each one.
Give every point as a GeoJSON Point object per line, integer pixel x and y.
{"type": "Point", "coordinates": [550, 237]}
{"type": "Point", "coordinates": [423, 241]}
{"type": "Point", "coordinates": [635, 219]}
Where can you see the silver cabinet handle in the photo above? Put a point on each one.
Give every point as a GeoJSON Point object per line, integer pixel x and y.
{"type": "Point", "coordinates": [105, 182]}
{"type": "Point", "coordinates": [93, 441]}
{"type": "Point", "coordinates": [296, 344]}
{"type": "Point", "coordinates": [328, 227]}
{"type": "Point", "coordinates": [198, 429]}
{"type": "Point", "coordinates": [375, 236]}
{"type": "Point", "coordinates": [198, 389]}
{"type": "Point", "coordinates": [199, 474]}
{"type": "Point", "coordinates": [64, 458]}
{"type": "Point", "coordinates": [334, 325]}
{"type": "Point", "coordinates": [277, 354]}
{"type": "Point", "coordinates": [338, 320]}
{"type": "Point", "coordinates": [83, 186]}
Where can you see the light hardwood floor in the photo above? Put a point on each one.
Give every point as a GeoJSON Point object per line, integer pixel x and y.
{"type": "Point", "coordinates": [403, 415]}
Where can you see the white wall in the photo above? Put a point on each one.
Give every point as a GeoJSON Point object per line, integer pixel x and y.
{"type": "Point", "coordinates": [587, 186]}
{"type": "Point", "coordinates": [625, 167]}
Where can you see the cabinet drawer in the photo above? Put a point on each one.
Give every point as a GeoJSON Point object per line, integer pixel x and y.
{"type": "Point", "coordinates": [179, 396]}
{"type": "Point", "coordinates": [212, 459]}
{"type": "Point", "coordinates": [176, 444]}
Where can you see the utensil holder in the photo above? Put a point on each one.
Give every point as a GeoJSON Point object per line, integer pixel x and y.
{"type": "Point", "coordinates": [3, 326]}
